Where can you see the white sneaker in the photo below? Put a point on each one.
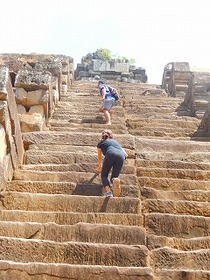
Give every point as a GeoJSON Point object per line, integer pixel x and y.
{"type": "Point", "coordinates": [116, 187]}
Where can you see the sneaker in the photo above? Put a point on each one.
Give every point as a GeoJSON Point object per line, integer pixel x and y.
{"type": "Point", "coordinates": [108, 194]}
{"type": "Point", "coordinates": [116, 187]}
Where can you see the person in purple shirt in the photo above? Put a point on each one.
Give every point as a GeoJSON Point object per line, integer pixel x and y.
{"type": "Point", "coordinates": [114, 157]}
{"type": "Point", "coordinates": [108, 101]}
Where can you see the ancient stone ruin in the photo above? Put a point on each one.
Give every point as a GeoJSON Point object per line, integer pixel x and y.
{"type": "Point", "coordinates": [110, 70]}
{"type": "Point", "coordinates": [38, 81]}
{"type": "Point", "coordinates": [55, 222]}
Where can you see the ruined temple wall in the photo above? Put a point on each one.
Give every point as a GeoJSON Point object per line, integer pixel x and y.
{"type": "Point", "coordinates": [110, 70]}
{"type": "Point", "coordinates": [11, 143]}
{"type": "Point", "coordinates": [38, 81]}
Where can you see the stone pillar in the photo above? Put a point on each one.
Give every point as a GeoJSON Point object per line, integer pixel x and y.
{"type": "Point", "coordinates": [11, 143]}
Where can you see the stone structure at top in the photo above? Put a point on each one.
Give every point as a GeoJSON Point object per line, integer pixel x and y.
{"type": "Point", "coordinates": [37, 82]}
{"type": "Point", "coordinates": [114, 69]}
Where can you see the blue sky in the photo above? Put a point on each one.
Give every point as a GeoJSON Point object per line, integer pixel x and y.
{"type": "Point", "coordinates": [153, 32]}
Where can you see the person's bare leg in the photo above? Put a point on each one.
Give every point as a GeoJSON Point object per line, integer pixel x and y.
{"type": "Point", "coordinates": [107, 117]}
{"type": "Point", "coordinates": [107, 189]}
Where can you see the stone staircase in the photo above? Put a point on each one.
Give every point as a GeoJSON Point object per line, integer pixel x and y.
{"type": "Point", "coordinates": [55, 223]}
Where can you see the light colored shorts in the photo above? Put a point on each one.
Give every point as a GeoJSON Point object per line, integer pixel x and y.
{"type": "Point", "coordinates": [108, 104]}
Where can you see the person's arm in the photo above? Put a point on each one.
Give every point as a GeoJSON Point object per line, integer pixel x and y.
{"type": "Point", "coordinates": [126, 155]}
{"type": "Point", "coordinates": [99, 160]}
{"type": "Point", "coordinates": [103, 93]}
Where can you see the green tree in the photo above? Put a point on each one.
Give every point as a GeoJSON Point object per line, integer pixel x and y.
{"type": "Point", "coordinates": [105, 54]}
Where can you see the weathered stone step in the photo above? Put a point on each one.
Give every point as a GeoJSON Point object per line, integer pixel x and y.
{"type": "Point", "coordinates": [190, 195]}
{"type": "Point", "coordinates": [81, 232]}
{"type": "Point", "coordinates": [195, 174]}
{"type": "Point", "coordinates": [173, 184]}
{"type": "Point", "coordinates": [27, 250]}
{"type": "Point", "coordinates": [48, 271]}
{"type": "Point", "coordinates": [94, 123]}
{"type": "Point", "coordinates": [67, 188]}
{"type": "Point", "coordinates": [181, 274]}
{"type": "Point", "coordinates": [161, 135]}
{"type": "Point", "coordinates": [171, 123]}
{"type": "Point", "coordinates": [114, 126]}
{"type": "Point", "coordinates": [172, 164]}
{"type": "Point", "coordinates": [172, 146]}
{"type": "Point", "coordinates": [184, 244]}
{"type": "Point", "coordinates": [85, 110]}
{"type": "Point", "coordinates": [177, 226]}
{"type": "Point", "coordinates": [71, 218]}
{"type": "Point", "coordinates": [161, 132]}
{"type": "Point", "coordinates": [83, 113]}
{"type": "Point", "coordinates": [158, 115]}
{"type": "Point", "coordinates": [73, 139]}
{"type": "Point", "coordinates": [87, 126]}
{"type": "Point", "coordinates": [193, 157]}
{"type": "Point", "coordinates": [137, 109]}
{"type": "Point", "coordinates": [81, 167]}
{"type": "Point", "coordinates": [61, 157]}
{"type": "Point", "coordinates": [62, 203]}
{"type": "Point", "coordinates": [177, 259]}
{"type": "Point", "coordinates": [176, 207]}
{"type": "Point", "coordinates": [77, 150]}
{"type": "Point", "coordinates": [75, 177]}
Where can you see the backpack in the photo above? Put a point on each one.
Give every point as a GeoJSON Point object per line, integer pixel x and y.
{"type": "Point", "coordinates": [114, 92]}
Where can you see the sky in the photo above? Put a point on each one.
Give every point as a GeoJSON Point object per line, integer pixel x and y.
{"type": "Point", "coordinates": [152, 32]}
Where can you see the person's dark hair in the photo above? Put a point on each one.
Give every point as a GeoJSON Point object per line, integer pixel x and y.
{"type": "Point", "coordinates": [100, 82]}
{"type": "Point", "coordinates": [107, 134]}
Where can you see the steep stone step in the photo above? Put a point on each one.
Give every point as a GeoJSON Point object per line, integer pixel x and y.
{"type": "Point", "coordinates": [62, 203]}
{"type": "Point", "coordinates": [172, 146]}
{"type": "Point", "coordinates": [179, 274]}
{"type": "Point", "coordinates": [193, 157]}
{"type": "Point", "coordinates": [177, 259]}
{"type": "Point", "coordinates": [77, 167]}
{"type": "Point", "coordinates": [91, 189]}
{"type": "Point", "coordinates": [163, 132]}
{"type": "Point", "coordinates": [50, 271]}
{"type": "Point", "coordinates": [183, 244]}
{"type": "Point", "coordinates": [171, 123]}
{"type": "Point", "coordinates": [76, 177]}
{"type": "Point", "coordinates": [136, 109]}
{"type": "Point", "coordinates": [176, 207]}
{"type": "Point", "coordinates": [73, 139]}
{"type": "Point", "coordinates": [172, 164]}
{"type": "Point", "coordinates": [177, 226]}
{"type": "Point", "coordinates": [190, 195]}
{"type": "Point", "coordinates": [118, 128]}
{"type": "Point", "coordinates": [78, 152]}
{"type": "Point", "coordinates": [81, 232]}
{"type": "Point", "coordinates": [173, 184]}
{"type": "Point", "coordinates": [27, 250]}
{"type": "Point", "coordinates": [173, 173]}
{"type": "Point", "coordinates": [71, 218]}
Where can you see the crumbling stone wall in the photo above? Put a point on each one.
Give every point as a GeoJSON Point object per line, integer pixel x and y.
{"type": "Point", "coordinates": [110, 70]}
{"type": "Point", "coordinates": [198, 94]}
{"type": "Point", "coordinates": [176, 76]}
{"type": "Point", "coordinates": [11, 143]}
{"type": "Point", "coordinates": [38, 81]}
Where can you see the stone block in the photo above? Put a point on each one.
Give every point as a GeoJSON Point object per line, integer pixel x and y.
{"type": "Point", "coordinates": [31, 98]}
{"type": "Point", "coordinates": [33, 79]}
